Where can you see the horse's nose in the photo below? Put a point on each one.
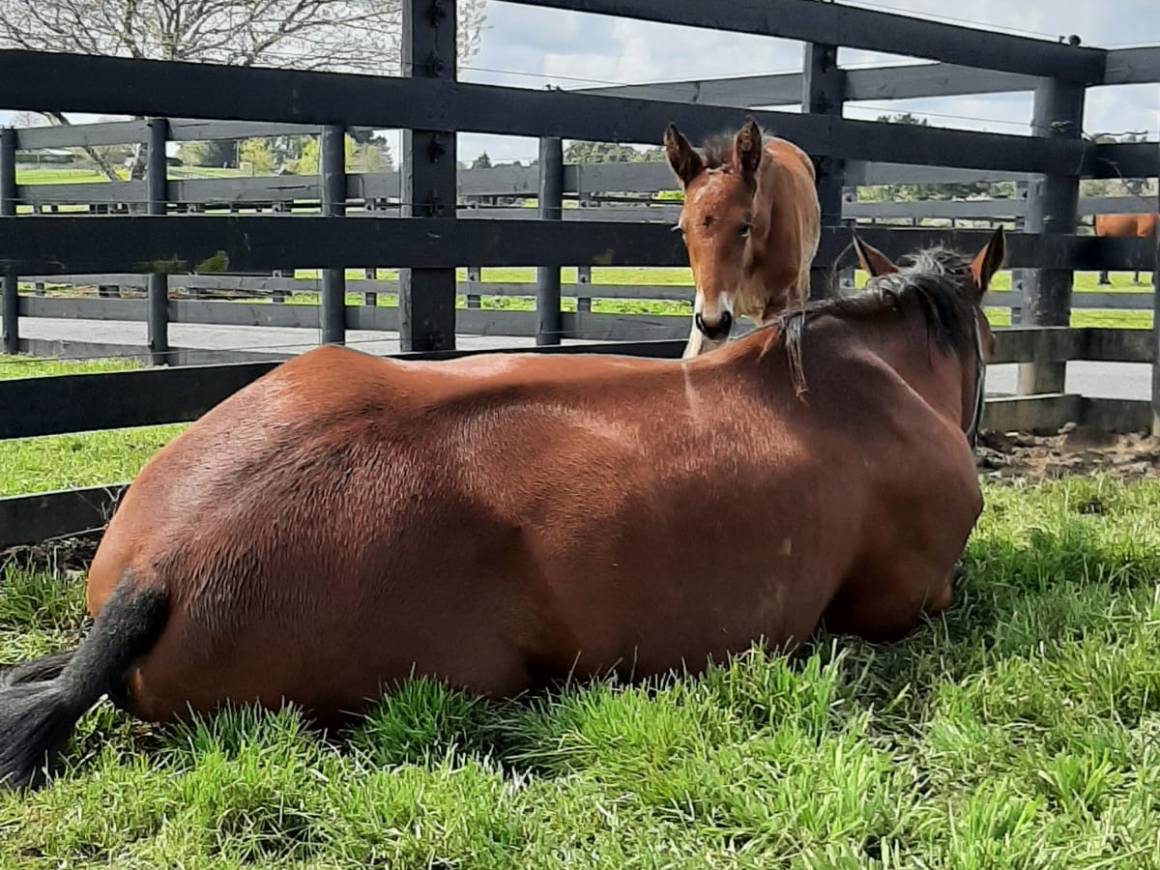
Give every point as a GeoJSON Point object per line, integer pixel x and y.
{"type": "Point", "coordinates": [720, 329]}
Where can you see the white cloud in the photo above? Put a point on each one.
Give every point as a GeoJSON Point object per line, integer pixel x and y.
{"type": "Point", "coordinates": [570, 49]}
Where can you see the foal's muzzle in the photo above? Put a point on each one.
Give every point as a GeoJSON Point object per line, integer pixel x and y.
{"type": "Point", "coordinates": [720, 329]}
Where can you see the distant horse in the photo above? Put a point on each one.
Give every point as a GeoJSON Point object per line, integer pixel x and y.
{"type": "Point", "coordinates": [1126, 226]}
{"type": "Point", "coordinates": [751, 224]}
{"type": "Point", "coordinates": [503, 522]}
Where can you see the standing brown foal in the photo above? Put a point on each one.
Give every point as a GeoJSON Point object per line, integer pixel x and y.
{"type": "Point", "coordinates": [500, 522]}
{"type": "Point", "coordinates": [751, 224]}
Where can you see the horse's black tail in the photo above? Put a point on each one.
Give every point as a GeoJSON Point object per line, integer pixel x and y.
{"type": "Point", "coordinates": [40, 702]}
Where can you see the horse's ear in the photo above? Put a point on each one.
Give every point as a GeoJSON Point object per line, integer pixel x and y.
{"type": "Point", "coordinates": [989, 260]}
{"type": "Point", "coordinates": [747, 147]}
{"type": "Point", "coordinates": [872, 260]}
{"type": "Point", "coordinates": [684, 160]}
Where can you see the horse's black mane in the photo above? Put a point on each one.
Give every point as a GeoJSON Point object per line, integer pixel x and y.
{"type": "Point", "coordinates": [937, 281]}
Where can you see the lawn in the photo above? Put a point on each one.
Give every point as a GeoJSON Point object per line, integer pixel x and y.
{"type": "Point", "coordinates": [1019, 731]}
{"type": "Point", "coordinates": [83, 459]}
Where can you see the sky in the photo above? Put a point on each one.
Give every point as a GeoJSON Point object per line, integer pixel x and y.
{"type": "Point", "coordinates": [532, 47]}
{"type": "Point", "coordinates": [574, 50]}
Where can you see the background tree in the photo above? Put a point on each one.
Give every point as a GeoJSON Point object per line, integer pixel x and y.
{"type": "Point", "coordinates": [257, 155]}
{"type": "Point", "coordinates": [217, 154]}
{"type": "Point", "coordinates": [340, 35]}
{"type": "Point", "coordinates": [610, 152]}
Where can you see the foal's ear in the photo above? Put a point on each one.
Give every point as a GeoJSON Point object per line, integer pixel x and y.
{"type": "Point", "coordinates": [872, 260]}
{"type": "Point", "coordinates": [747, 147]}
{"type": "Point", "coordinates": [684, 160]}
{"type": "Point", "coordinates": [989, 260]}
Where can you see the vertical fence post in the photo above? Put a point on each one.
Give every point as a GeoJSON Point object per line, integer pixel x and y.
{"type": "Point", "coordinates": [1156, 334]}
{"type": "Point", "coordinates": [474, 279]}
{"type": "Point", "coordinates": [1018, 276]}
{"type": "Point", "coordinates": [823, 93]}
{"type": "Point", "coordinates": [332, 304]}
{"type": "Point", "coordinates": [11, 298]}
{"type": "Point", "coordinates": [1052, 205]}
{"type": "Point", "coordinates": [427, 296]}
{"type": "Point", "coordinates": [549, 322]}
{"type": "Point", "coordinates": [848, 274]}
{"type": "Point", "coordinates": [157, 194]}
{"type": "Point", "coordinates": [279, 296]}
{"type": "Point", "coordinates": [583, 289]}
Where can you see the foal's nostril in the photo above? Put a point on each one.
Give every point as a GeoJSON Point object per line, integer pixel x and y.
{"type": "Point", "coordinates": [717, 330]}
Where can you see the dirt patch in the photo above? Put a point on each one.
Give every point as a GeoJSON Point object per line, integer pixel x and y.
{"type": "Point", "coordinates": [1075, 450]}
{"type": "Point", "coordinates": [68, 555]}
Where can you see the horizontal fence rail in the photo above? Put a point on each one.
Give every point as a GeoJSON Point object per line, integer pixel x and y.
{"type": "Point", "coordinates": [896, 82]}
{"type": "Point", "coordinates": [868, 29]}
{"type": "Point", "coordinates": [257, 191]}
{"type": "Point", "coordinates": [142, 87]}
{"type": "Point", "coordinates": [48, 245]}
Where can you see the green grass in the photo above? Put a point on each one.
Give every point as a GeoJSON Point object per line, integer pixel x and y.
{"type": "Point", "coordinates": [1022, 730]}
{"type": "Point", "coordinates": [82, 459]}
{"type": "Point", "coordinates": [57, 175]}
{"type": "Point", "coordinates": [30, 367]}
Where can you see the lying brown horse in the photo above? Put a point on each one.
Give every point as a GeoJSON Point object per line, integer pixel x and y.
{"type": "Point", "coordinates": [501, 522]}
{"type": "Point", "coordinates": [751, 223]}
{"type": "Point", "coordinates": [1126, 226]}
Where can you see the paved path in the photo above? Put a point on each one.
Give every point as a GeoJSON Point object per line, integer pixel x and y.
{"type": "Point", "coordinates": [1110, 380]}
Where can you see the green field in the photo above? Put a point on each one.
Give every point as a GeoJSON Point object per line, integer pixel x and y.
{"type": "Point", "coordinates": [1020, 731]}
{"type": "Point", "coordinates": [55, 175]}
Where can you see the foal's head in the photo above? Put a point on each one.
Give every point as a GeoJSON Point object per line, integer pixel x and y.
{"type": "Point", "coordinates": [717, 218]}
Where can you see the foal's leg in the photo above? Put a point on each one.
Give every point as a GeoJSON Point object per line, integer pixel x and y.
{"type": "Point", "coordinates": [693, 347]}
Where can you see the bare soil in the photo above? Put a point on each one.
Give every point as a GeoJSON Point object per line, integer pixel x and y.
{"type": "Point", "coordinates": [1075, 450]}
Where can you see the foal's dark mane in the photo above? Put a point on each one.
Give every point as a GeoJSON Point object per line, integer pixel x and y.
{"type": "Point", "coordinates": [718, 150]}
{"type": "Point", "coordinates": [936, 281]}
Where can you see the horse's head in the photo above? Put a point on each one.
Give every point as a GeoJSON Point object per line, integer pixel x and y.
{"type": "Point", "coordinates": [948, 285]}
{"type": "Point", "coordinates": [716, 219]}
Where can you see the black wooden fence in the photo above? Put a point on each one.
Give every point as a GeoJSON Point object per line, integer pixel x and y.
{"type": "Point", "coordinates": [431, 105]}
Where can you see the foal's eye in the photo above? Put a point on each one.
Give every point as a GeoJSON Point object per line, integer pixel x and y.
{"type": "Point", "coordinates": [744, 231]}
